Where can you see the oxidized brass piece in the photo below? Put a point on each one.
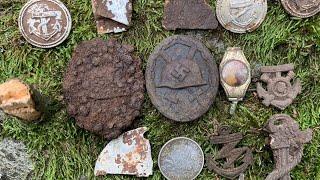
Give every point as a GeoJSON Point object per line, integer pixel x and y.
{"type": "Point", "coordinates": [235, 75]}
{"type": "Point", "coordinates": [230, 153]}
{"type": "Point", "coordinates": [287, 144]}
{"type": "Point", "coordinates": [301, 8]}
{"type": "Point", "coordinates": [280, 93]}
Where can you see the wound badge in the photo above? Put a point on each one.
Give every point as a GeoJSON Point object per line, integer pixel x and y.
{"type": "Point", "coordinates": [229, 152]}
{"type": "Point", "coordinates": [287, 144]}
{"type": "Point", "coordinates": [280, 92]}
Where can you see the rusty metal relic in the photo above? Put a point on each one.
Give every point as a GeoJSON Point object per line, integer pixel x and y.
{"type": "Point", "coordinates": [182, 78]}
{"type": "Point", "coordinates": [112, 16]}
{"type": "Point", "coordinates": [181, 158]}
{"type": "Point", "coordinates": [188, 14]}
{"type": "Point", "coordinates": [301, 8]}
{"type": "Point", "coordinates": [103, 87]}
{"type": "Point", "coordinates": [129, 154]}
{"type": "Point", "coordinates": [287, 143]}
{"type": "Point", "coordinates": [280, 92]}
{"type": "Point", "coordinates": [235, 75]}
{"type": "Point", "coordinates": [241, 16]}
{"type": "Point", "coordinates": [45, 23]}
{"type": "Point", "coordinates": [241, 156]}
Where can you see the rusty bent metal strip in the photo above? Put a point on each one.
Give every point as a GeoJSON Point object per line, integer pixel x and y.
{"type": "Point", "coordinates": [112, 16]}
{"type": "Point", "coordinates": [129, 154]}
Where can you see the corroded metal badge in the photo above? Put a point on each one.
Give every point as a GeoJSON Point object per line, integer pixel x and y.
{"type": "Point", "coordinates": [240, 16]}
{"type": "Point", "coordinates": [182, 78]}
{"type": "Point", "coordinates": [188, 14]}
{"type": "Point", "coordinates": [235, 75]}
{"type": "Point", "coordinates": [181, 158]}
{"type": "Point", "coordinates": [128, 154]}
{"type": "Point", "coordinates": [237, 159]}
{"type": "Point", "coordinates": [280, 92]}
{"type": "Point", "coordinates": [45, 23]}
{"type": "Point", "coordinates": [112, 16]}
{"type": "Point", "coordinates": [301, 8]}
{"type": "Point", "coordinates": [287, 143]}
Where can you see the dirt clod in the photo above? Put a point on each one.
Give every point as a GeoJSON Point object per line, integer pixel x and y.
{"type": "Point", "coordinates": [103, 87]}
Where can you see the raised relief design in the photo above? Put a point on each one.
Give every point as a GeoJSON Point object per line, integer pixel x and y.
{"type": "Point", "coordinates": [239, 8]}
{"type": "Point", "coordinates": [301, 8]}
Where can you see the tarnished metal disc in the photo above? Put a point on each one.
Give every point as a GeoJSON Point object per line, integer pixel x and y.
{"type": "Point", "coordinates": [181, 159]}
{"type": "Point", "coordinates": [45, 23]}
{"type": "Point", "coordinates": [182, 78]}
{"type": "Point", "coordinates": [241, 16]}
{"type": "Point", "coordinates": [301, 8]}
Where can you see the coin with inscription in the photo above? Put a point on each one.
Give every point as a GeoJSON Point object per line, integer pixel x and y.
{"type": "Point", "coordinates": [181, 158]}
{"type": "Point", "coordinates": [241, 16]}
{"type": "Point", "coordinates": [182, 78]}
{"type": "Point", "coordinates": [45, 23]}
{"type": "Point", "coordinates": [301, 8]}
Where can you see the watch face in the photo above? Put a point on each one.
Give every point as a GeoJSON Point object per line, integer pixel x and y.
{"type": "Point", "coordinates": [45, 23]}
{"type": "Point", "coordinates": [235, 73]}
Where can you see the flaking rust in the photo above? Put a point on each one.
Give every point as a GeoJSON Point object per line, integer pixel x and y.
{"type": "Point", "coordinates": [129, 154]}
{"type": "Point", "coordinates": [280, 92]}
{"type": "Point", "coordinates": [112, 16]}
{"type": "Point", "coordinates": [287, 144]}
{"type": "Point", "coordinates": [229, 152]}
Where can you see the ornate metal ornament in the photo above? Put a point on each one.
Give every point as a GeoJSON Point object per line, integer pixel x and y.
{"type": "Point", "coordinates": [229, 152]}
{"type": "Point", "coordinates": [188, 14]}
{"type": "Point", "coordinates": [181, 159]}
{"type": "Point", "coordinates": [112, 16]}
{"type": "Point", "coordinates": [241, 16]}
{"type": "Point", "coordinates": [301, 8]}
{"type": "Point", "coordinates": [235, 75]}
{"type": "Point", "coordinates": [280, 92]}
{"type": "Point", "coordinates": [128, 154]}
{"type": "Point", "coordinates": [287, 144]}
{"type": "Point", "coordinates": [182, 78]}
{"type": "Point", "coordinates": [45, 23]}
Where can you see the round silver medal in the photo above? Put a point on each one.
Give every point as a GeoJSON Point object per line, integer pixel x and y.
{"type": "Point", "coordinates": [241, 16]}
{"type": "Point", "coordinates": [45, 23]}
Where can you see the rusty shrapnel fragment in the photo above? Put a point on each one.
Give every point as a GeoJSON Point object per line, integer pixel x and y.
{"type": "Point", "coordinates": [280, 92]}
{"type": "Point", "coordinates": [242, 156]}
{"type": "Point", "coordinates": [182, 78]}
{"type": "Point", "coordinates": [181, 158]}
{"type": "Point", "coordinates": [129, 154]}
{"type": "Point", "coordinates": [287, 143]}
{"type": "Point", "coordinates": [301, 8]}
{"type": "Point", "coordinates": [45, 23]}
{"type": "Point", "coordinates": [241, 16]}
{"type": "Point", "coordinates": [188, 14]}
{"type": "Point", "coordinates": [103, 87]}
{"type": "Point", "coordinates": [235, 75]}
{"type": "Point", "coordinates": [112, 16]}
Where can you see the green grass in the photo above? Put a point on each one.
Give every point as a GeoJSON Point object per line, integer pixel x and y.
{"type": "Point", "coordinates": [61, 150]}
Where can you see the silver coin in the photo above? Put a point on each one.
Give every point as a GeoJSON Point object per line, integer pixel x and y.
{"type": "Point", "coordinates": [45, 23]}
{"type": "Point", "coordinates": [181, 158]}
{"type": "Point", "coordinates": [241, 16]}
{"type": "Point", "coordinates": [301, 8]}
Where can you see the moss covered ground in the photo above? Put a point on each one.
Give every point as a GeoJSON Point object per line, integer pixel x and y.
{"type": "Point", "coordinates": [61, 150]}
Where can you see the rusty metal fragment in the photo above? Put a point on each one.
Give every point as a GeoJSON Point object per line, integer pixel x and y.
{"type": "Point", "coordinates": [241, 16]}
{"type": "Point", "coordinates": [128, 154]}
{"type": "Point", "coordinates": [280, 92]}
{"type": "Point", "coordinates": [229, 152]}
{"type": "Point", "coordinates": [112, 16]}
{"type": "Point", "coordinates": [188, 14]}
{"type": "Point", "coordinates": [18, 99]}
{"type": "Point", "coordinates": [287, 143]}
{"type": "Point", "coordinates": [301, 8]}
{"type": "Point", "coordinates": [235, 75]}
{"type": "Point", "coordinates": [182, 78]}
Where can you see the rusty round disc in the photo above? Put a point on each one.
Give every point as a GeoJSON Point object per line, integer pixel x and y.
{"type": "Point", "coordinates": [301, 8]}
{"type": "Point", "coordinates": [181, 158]}
{"type": "Point", "coordinates": [104, 87]}
{"type": "Point", "coordinates": [241, 16]}
{"type": "Point", "coordinates": [182, 78]}
{"type": "Point", "coordinates": [45, 23]}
